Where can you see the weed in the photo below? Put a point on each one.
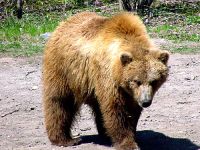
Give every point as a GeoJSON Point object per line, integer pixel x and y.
{"type": "Point", "coordinates": [185, 50]}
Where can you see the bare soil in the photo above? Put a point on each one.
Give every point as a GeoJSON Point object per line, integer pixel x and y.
{"type": "Point", "coordinates": [172, 122]}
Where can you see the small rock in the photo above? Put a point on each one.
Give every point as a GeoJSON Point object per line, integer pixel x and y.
{"type": "Point", "coordinates": [32, 108]}
{"type": "Point", "coordinates": [195, 77]}
{"type": "Point", "coordinates": [34, 88]}
{"type": "Point", "coordinates": [37, 141]}
{"type": "Point", "coordinates": [187, 78]}
{"type": "Point", "coordinates": [45, 35]}
{"type": "Point", "coordinates": [187, 64]}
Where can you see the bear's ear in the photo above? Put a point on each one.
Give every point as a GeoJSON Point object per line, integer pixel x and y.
{"type": "Point", "coordinates": [125, 58]}
{"type": "Point", "coordinates": [164, 56]}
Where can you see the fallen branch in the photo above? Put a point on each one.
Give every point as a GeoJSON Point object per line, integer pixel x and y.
{"type": "Point", "coordinates": [9, 113]}
{"type": "Point", "coordinates": [28, 73]}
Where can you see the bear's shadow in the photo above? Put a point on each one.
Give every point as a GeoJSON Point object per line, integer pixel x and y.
{"type": "Point", "coordinates": [149, 140]}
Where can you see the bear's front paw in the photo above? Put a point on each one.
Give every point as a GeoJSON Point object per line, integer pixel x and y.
{"type": "Point", "coordinates": [66, 143]}
{"type": "Point", "coordinates": [127, 146]}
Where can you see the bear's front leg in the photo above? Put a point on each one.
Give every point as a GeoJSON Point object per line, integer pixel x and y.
{"type": "Point", "coordinates": [120, 126]}
{"type": "Point", "coordinates": [59, 115]}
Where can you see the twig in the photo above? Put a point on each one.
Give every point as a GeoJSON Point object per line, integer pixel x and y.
{"type": "Point", "coordinates": [10, 113]}
{"type": "Point", "coordinates": [30, 72]}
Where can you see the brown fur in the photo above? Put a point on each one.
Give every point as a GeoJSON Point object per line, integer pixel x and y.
{"type": "Point", "coordinates": [109, 64]}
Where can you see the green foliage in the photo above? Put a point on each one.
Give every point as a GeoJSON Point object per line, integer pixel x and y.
{"type": "Point", "coordinates": [175, 32]}
{"type": "Point", "coordinates": [21, 48]}
{"type": "Point", "coordinates": [185, 49]}
{"type": "Point", "coordinates": [22, 37]}
{"type": "Point", "coordinates": [165, 28]}
{"type": "Point", "coordinates": [181, 7]}
{"type": "Point", "coordinates": [30, 24]}
{"type": "Point", "coordinates": [193, 19]}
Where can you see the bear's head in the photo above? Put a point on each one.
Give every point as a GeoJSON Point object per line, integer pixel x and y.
{"type": "Point", "coordinates": [141, 74]}
{"type": "Point", "coordinates": [139, 68]}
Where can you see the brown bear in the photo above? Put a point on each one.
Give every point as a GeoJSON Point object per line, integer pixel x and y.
{"type": "Point", "coordinates": [109, 64]}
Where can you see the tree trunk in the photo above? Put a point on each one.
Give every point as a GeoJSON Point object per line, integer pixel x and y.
{"type": "Point", "coordinates": [19, 9]}
{"type": "Point", "coordinates": [125, 5]}
{"type": "Point", "coordinates": [135, 5]}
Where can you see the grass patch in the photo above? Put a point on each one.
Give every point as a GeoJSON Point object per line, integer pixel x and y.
{"type": "Point", "coordinates": [175, 33]}
{"type": "Point", "coordinates": [185, 50]}
{"type": "Point", "coordinates": [193, 19]}
{"type": "Point", "coordinates": [22, 48]}
{"type": "Point", "coordinates": [176, 27]}
{"type": "Point", "coordinates": [184, 47]}
{"type": "Point", "coordinates": [23, 37]}
{"type": "Point", "coordinates": [33, 25]}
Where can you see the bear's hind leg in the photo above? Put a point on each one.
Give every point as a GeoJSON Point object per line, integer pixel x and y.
{"type": "Point", "coordinates": [59, 115]}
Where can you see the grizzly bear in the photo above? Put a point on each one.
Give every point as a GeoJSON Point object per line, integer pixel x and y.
{"type": "Point", "coordinates": [109, 64]}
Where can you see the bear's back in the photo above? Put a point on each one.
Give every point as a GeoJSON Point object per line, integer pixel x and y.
{"type": "Point", "coordinates": [83, 25]}
{"type": "Point", "coordinates": [85, 30]}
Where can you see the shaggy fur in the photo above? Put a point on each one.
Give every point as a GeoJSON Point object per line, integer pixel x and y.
{"type": "Point", "coordinates": [109, 64]}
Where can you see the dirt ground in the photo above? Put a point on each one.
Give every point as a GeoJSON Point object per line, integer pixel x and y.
{"type": "Point", "coordinates": [172, 122]}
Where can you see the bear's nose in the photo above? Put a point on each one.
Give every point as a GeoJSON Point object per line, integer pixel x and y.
{"type": "Point", "coordinates": [146, 104]}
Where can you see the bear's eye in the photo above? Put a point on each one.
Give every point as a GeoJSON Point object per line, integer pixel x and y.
{"type": "Point", "coordinates": [138, 82]}
{"type": "Point", "coordinates": [134, 82]}
{"type": "Point", "coordinates": [153, 83]}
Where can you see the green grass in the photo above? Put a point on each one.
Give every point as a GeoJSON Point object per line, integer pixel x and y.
{"type": "Point", "coordinates": [192, 19]}
{"type": "Point", "coordinates": [177, 28]}
{"type": "Point", "coordinates": [22, 48]}
{"type": "Point", "coordinates": [185, 49]}
{"type": "Point", "coordinates": [22, 37]}
{"type": "Point", "coordinates": [32, 25]}
{"type": "Point", "coordinates": [175, 33]}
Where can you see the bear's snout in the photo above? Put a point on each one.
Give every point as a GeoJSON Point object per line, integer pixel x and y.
{"type": "Point", "coordinates": [146, 96]}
